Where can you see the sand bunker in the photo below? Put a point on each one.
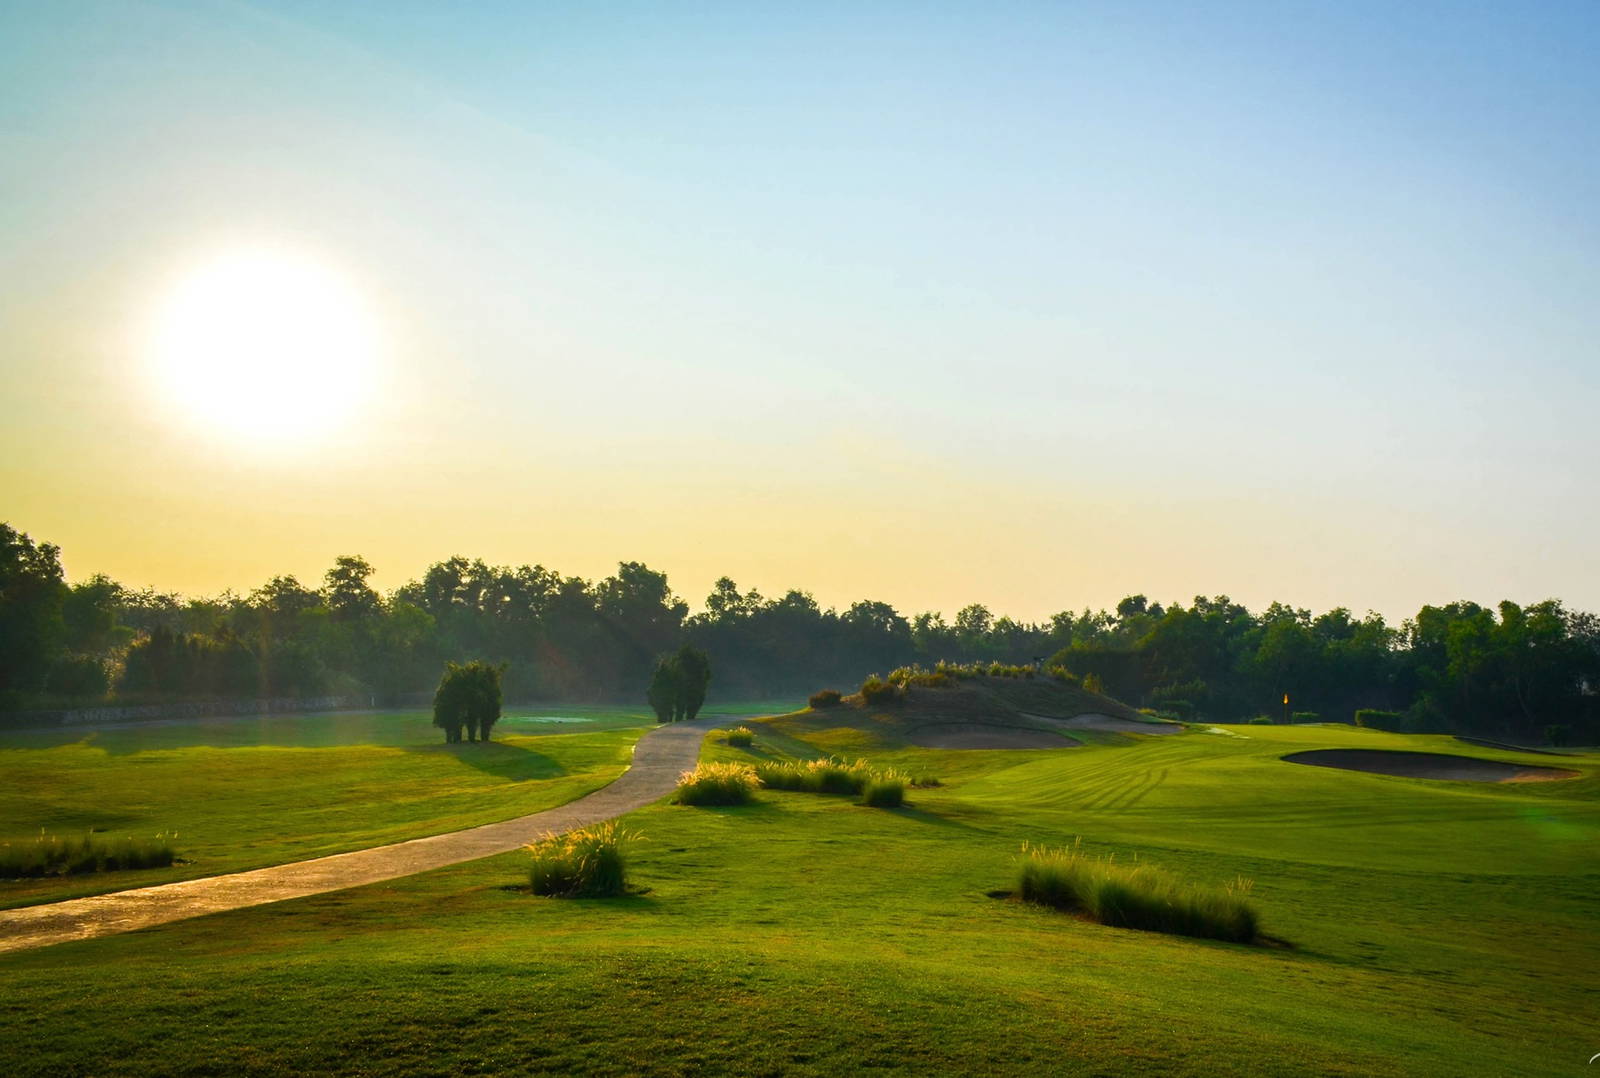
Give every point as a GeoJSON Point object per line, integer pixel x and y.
{"type": "Point", "coordinates": [977, 735]}
{"type": "Point", "coordinates": [1427, 765]}
{"type": "Point", "coordinates": [1109, 725]}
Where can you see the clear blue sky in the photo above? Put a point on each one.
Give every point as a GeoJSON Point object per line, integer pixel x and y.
{"type": "Point", "coordinates": [1030, 304]}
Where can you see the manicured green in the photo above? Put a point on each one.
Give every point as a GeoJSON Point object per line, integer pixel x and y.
{"type": "Point", "coordinates": [1427, 928]}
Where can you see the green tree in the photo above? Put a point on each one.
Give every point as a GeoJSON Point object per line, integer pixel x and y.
{"type": "Point", "coordinates": [678, 685]}
{"type": "Point", "coordinates": [32, 629]}
{"type": "Point", "coordinates": [468, 699]}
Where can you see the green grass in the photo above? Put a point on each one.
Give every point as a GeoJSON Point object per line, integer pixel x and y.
{"type": "Point", "coordinates": [249, 793]}
{"type": "Point", "coordinates": [580, 864]}
{"type": "Point", "coordinates": [1134, 895]}
{"type": "Point", "coordinates": [1431, 928]}
{"type": "Point", "coordinates": [51, 855]}
{"type": "Point", "coordinates": [717, 784]}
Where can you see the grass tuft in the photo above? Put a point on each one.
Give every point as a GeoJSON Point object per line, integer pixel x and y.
{"type": "Point", "coordinates": [1135, 896]}
{"type": "Point", "coordinates": [885, 790]}
{"type": "Point", "coordinates": [581, 864]}
{"type": "Point", "coordinates": [740, 737]}
{"type": "Point", "coordinates": [717, 784]}
{"type": "Point", "coordinates": [51, 855]}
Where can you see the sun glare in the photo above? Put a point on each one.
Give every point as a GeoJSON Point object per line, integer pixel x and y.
{"type": "Point", "coordinates": [264, 345]}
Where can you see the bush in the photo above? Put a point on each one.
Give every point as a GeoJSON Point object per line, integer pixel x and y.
{"type": "Point", "coordinates": [1262, 720]}
{"type": "Point", "coordinates": [886, 790]}
{"type": "Point", "coordinates": [815, 776]}
{"type": "Point", "coordinates": [1305, 716]}
{"type": "Point", "coordinates": [581, 864]}
{"type": "Point", "coordinates": [825, 699]}
{"type": "Point", "coordinates": [875, 690]}
{"type": "Point", "coordinates": [49, 855]}
{"type": "Point", "coordinates": [717, 784]}
{"type": "Point", "coordinates": [740, 737]}
{"type": "Point", "coordinates": [1557, 735]}
{"type": "Point", "coordinates": [1135, 896]}
{"type": "Point", "coordinates": [1371, 718]}
{"type": "Point", "coordinates": [908, 676]}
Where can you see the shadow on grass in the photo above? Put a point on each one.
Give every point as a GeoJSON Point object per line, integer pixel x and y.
{"type": "Point", "coordinates": [911, 812]}
{"type": "Point", "coordinates": [513, 763]}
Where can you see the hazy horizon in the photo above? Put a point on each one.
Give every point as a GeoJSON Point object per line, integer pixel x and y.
{"type": "Point", "coordinates": [1021, 306]}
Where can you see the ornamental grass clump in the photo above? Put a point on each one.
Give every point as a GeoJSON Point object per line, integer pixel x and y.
{"type": "Point", "coordinates": [740, 737]}
{"type": "Point", "coordinates": [581, 864]}
{"type": "Point", "coordinates": [51, 855]}
{"type": "Point", "coordinates": [886, 789]}
{"type": "Point", "coordinates": [717, 784]}
{"type": "Point", "coordinates": [1135, 895]}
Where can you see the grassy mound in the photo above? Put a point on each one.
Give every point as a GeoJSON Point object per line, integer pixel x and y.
{"type": "Point", "coordinates": [51, 855]}
{"type": "Point", "coordinates": [717, 784]}
{"type": "Point", "coordinates": [581, 864]}
{"type": "Point", "coordinates": [945, 702]}
{"type": "Point", "coordinates": [1135, 896]}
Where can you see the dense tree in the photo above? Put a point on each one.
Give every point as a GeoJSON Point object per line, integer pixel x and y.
{"type": "Point", "coordinates": [32, 594]}
{"type": "Point", "coordinates": [468, 699]}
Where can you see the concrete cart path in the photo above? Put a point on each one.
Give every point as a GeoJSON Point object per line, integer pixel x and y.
{"type": "Point", "coordinates": [659, 757]}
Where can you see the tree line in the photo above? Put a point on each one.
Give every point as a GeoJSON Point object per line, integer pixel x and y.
{"type": "Point", "coordinates": [1511, 670]}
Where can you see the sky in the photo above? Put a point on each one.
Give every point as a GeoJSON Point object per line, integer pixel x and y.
{"type": "Point", "coordinates": [1033, 305]}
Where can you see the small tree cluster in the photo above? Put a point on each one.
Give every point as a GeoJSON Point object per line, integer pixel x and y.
{"type": "Point", "coordinates": [678, 687]}
{"type": "Point", "coordinates": [468, 698]}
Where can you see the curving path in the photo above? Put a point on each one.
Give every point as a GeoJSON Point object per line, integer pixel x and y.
{"type": "Point", "coordinates": [659, 757]}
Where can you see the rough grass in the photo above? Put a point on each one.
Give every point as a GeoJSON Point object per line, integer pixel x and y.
{"type": "Point", "coordinates": [717, 784]}
{"type": "Point", "coordinates": [581, 864]}
{"type": "Point", "coordinates": [740, 737]}
{"type": "Point", "coordinates": [1135, 895]}
{"type": "Point", "coordinates": [51, 855]}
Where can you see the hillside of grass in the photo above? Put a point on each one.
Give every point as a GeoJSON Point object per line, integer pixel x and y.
{"type": "Point", "coordinates": [1012, 702]}
{"type": "Point", "coordinates": [1425, 928]}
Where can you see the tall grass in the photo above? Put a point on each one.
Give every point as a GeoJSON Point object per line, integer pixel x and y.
{"type": "Point", "coordinates": [581, 864]}
{"type": "Point", "coordinates": [815, 776]}
{"type": "Point", "coordinates": [825, 698]}
{"type": "Point", "coordinates": [51, 855]}
{"type": "Point", "coordinates": [1135, 895]}
{"type": "Point", "coordinates": [717, 784]}
{"type": "Point", "coordinates": [885, 790]}
{"type": "Point", "coordinates": [740, 737]}
{"type": "Point", "coordinates": [879, 789]}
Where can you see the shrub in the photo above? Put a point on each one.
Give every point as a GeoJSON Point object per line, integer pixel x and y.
{"type": "Point", "coordinates": [581, 864]}
{"type": "Point", "coordinates": [875, 690]}
{"type": "Point", "coordinates": [717, 784]}
{"type": "Point", "coordinates": [825, 699]}
{"type": "Point", "coordinates": [1135, 896]}
{"type": "Point", "coordinates": [50, 855]}
{"type": "Point", "coordinates": [908, 676]}
{"type": "Point", "coordinates": [1065, 676]}
{"type": "Point", "coordinates": [1262, 720]}
{"type": "Point", "coordinates": [815, 776]}
{"type": "Point", "coordinates": [886, 790]}
{"type": "Point", "coordinates": [1305, 716]}
{"type": "Point", "coordinates": [1392, 721]}
{"type": "Point", "coordinates": [740, 737]}
{"type": "Point", "coordinates": [1557, 734]}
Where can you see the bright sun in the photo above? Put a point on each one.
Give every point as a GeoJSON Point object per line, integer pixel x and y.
{"type": "Point", "coordinates": [264, 345]}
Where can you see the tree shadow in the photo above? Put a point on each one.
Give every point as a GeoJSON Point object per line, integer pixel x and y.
{"type": "Point", "coordinates": [514, 763]}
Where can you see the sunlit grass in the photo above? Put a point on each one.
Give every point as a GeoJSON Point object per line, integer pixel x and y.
{"type": "Point", "coordinates": [581, 864]}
